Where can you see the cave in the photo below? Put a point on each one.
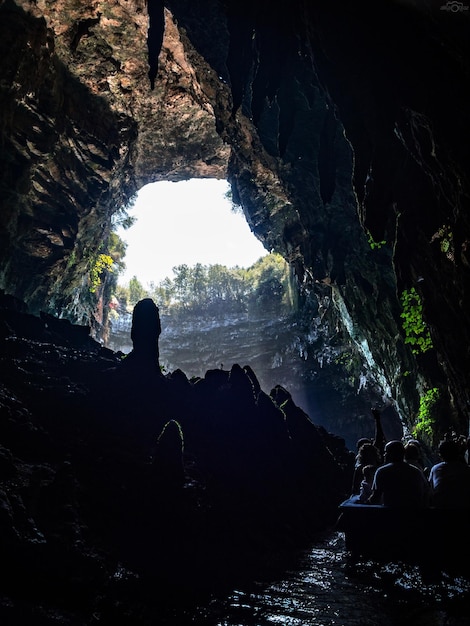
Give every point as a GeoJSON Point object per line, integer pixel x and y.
{"type": "Point", "coordinates": [341, 129]}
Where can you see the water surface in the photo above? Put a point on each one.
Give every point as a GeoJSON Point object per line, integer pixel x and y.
{"type": "Point", "coordinates": [322, 590]}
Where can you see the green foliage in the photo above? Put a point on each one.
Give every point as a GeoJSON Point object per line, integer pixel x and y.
{"type": "Point", "coordinates": [374, 245]}
{"type": "Point", "coordinates": [72, 259]}
{"type": "Point", "coordinates": [270, 277]}
{"type": "Point", "coordinates": [117, 250]}
{"type": "Point", "coordinates": [100, 264]}
{"type": "Point", "coordinates": [445, 237]}
{"type": "Point", "coordinates": [349, 360]}
{"type": "Point", "coordinates": [425, 423]}
{"type": "Point", "coordinates": [446, 244]}
{"type": "Point", "coordinates": [121, 217]}
{"type": "Point", "coordinates": [416, 331]}
{"type": "Point", "coordinates": [236, 207]}
{"type": "Point", "coordinates": [136, 291]}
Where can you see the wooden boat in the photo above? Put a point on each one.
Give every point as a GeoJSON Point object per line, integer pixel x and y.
{"type": "Point", "coordinates": [432, 538]}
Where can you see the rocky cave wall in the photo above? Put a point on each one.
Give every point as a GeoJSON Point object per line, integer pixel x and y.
{"type": "Point", "coordinates": [339, 127]}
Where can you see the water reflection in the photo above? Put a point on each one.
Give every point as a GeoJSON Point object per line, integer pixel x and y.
{"type": "Point", "coordinates": [322, 591]}
{"type": "Point", "coordinates": [312, 588]}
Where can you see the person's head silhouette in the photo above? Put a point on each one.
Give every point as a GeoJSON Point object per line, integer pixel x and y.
{"type": "Point", "coordinates": [394, 451]}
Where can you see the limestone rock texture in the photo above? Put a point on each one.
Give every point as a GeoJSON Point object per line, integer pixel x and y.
{"type": "Point", "coordinates": [342, 129]}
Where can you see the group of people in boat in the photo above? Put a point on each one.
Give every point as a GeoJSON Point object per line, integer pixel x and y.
{"type": "Point", "coordinates": [394, 474]}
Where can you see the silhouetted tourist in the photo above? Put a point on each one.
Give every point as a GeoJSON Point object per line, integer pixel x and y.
{"type": "Point", "coordinates": [414, 455]}
{"type": "Point", "coordinates": [450, 479]}
{"type": "Point", "coordinates": [365, 492]}
{"type": "Point", "coordinates": [145, 333]}
{"type": "Point", "coordinates": [367, 455]}
{"type": "Point", "coordinates": [361, 442]}
{"type": "Point", "coordinates": [462, 441]}
{"type": "Point", "coordinates": [397, 483]}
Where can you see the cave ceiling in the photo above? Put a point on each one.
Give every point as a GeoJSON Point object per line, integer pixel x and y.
{"type": "Point", "coordinates": [341, 127]}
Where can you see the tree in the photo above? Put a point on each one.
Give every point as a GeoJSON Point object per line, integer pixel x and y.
{"type": "Point", "coordinates": [163, 293]}
{"type": "Point", "coordinates": [199, 285]}
{"type": "Point", "coordinates": [136, 291]}
{"type": "Point", "coordinates": [180, 282]}
{"type": "Point", "coordinates": [117, 251]}
{"type": "Point", "coordinates": [270, 278]}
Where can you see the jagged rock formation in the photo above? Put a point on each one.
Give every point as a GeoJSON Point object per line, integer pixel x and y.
{"type": "Point", "coordinates": [125, 493]}
{"type": "Point", "coordinates": [322, 377]}
{"type": "Point", "coordinates": [338, 128]}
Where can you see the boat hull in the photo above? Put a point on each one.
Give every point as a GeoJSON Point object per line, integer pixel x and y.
{"type": "Point", "coordinates": [430, 537]}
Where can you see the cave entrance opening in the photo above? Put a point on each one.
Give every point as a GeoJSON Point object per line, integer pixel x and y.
{"type": "Point", "coordinates": [187, 222]}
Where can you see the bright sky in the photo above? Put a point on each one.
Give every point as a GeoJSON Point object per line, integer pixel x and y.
{"type": "Point", "coordinates": [187, 222]}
